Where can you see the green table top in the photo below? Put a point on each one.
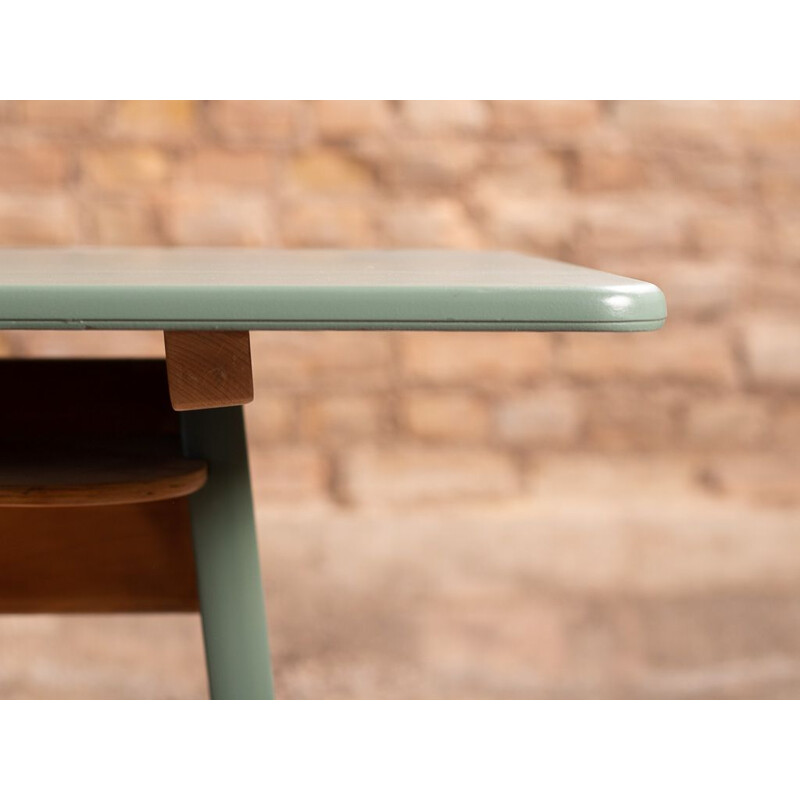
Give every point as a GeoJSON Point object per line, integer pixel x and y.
{"type": "Point", "coordinates": [248, 289]}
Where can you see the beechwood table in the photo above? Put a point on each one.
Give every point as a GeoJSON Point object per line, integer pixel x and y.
{"type": "Point", "coordinates": [124, 484]}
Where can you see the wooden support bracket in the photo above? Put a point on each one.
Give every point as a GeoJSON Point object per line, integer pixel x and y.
{"type": "Point", "coordinates": [208, 369]}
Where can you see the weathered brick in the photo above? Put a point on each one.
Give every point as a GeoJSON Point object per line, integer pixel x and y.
{"type": "Point", "coordinates": [732, 232]}
{"type": "Point", "coordinates": [716, 553]}
{"type": "Point", "coordinates": [785, 239]}
{"type": "Point", "coordinates": [621, 417]}
{"type": "Point", "coordinates": [534, 634]}
{"type": "Point", "coordinates": [38, 219]}
{"type": "Point", "coordinates": [341, 417]}
{"type": "Point", "coordinates": [64, 118]}
{"type": "Point", "coordinates": [610, 169]}
{"type": "Point", "coordinates": [9, 110]}
{"type": "Point", "coordinates": [279, 123]}
{"type": "Point", "coordinates": [772, 125]}
{"type": "Point", "coordinates": [546, 416]}
{"type": "Point", "coordinates": [614, 478]}
{"type": "Point", "coordinates": [327, 171]}
{"type": "Point", "coordinates": [768, 478]}
{"type": "Point", "coordinates": [444, 415]}
{"type": "Point", "coordinates": [695, 642]}
{"type": "Point", "coordinates": [58, 657]}
{"type": "Point", "coordinates": [778, 181]}
{"type": "Point", "coordinates": [786, 426]}
{"type": "Point", "coordinates": [728, 421]}
{"type": "Point", "coordinates": [592, 525]}
{"type": "Point", "coordinates": [689, 352]}
{"type": "Point", "coordinates": [271, 418]}
{"type": "Point", "coordinates": [480, 359]}
{"type": "Point", "coordinates": [288, 474]}
{"type": "Point", "coordinates": [125, 167]}
{"type": "Point", "coordinates": [704, 125]}
{"type": "Point", "coordinates": [348, 119]}
{"type": "Point", "coordinates": [228, 167]}
{"type": "Point", "coordinates": [772, 350]}
{"type": "Point", "coordinates": [346, 360]}
{"type": "Point", "coordinates": [629, 224]}
{"type": "Point", "coordinates": [410, 475]}
{"type": "Point", "coordinates": [219, 218]}
{"type": "Point", "coordinates": [546, 119]}
{"type": "Point", "coordinates": [592, 627]}
{"type": "Point", "coordinates": [121, 221]}
{"type": "Point", "coordinates": [543, 226]}
{"type": "Point", "coordinates": [87, 344]}
{"type": "Point", "coordinates": [437, 222]}
{"type": "Point", "coordinates": [33, 166]}
{"type": "Point", "coordinates": [328, 222]}
{"type": "Point", "coordinates": [522, 170]}
{"type": "Point", "coordinates": [155, 120]}
{"type": "Point", "coordinates": [420, 163]}
{"type": "Point", "coordinates": [436, 117]}
{"type": "Point", "coordinates": [776, 289]}
{"type": "Point", "coordinates": [725, 176]}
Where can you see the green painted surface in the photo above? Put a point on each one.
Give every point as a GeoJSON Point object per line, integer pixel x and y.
{"type": "Point", "coordinates": [315, 289]}
{"type": "Point", "coordinates": [226, 556]}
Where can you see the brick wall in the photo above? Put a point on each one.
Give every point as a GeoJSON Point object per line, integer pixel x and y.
{"type": "Point", "coordinates": [702, 198]}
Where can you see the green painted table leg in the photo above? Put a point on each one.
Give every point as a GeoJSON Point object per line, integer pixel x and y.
{"type": "Point", "coordinates": [226, 555]}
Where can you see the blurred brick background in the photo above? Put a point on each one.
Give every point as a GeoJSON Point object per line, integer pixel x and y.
{"type": "Point", "coordinates": [470, 515]}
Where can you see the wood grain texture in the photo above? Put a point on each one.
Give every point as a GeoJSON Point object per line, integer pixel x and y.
{"type": "Point", "coordinates": [134, 558]}
{"type": "Point", "coordinates": [208, 369]}
{"type": "Point", "coordinates": [47, 477]}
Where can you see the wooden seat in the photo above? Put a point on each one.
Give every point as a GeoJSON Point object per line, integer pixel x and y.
{"type": "Point", "coordinates": [60, 477]}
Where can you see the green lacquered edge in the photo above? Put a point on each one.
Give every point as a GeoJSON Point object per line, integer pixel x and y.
{"type": "Point", "coordinates": [301, 325]}
{"type": "Point", "coordinates": [633, 306]}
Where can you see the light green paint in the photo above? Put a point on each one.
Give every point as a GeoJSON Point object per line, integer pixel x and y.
{"type": "Point", "coordinates": [230, 289]}
{"type": "Point", "coordinates": [226, 557]}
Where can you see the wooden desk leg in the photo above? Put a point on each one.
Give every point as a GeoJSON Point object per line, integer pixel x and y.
{"type": "Point", "coordinates": [226, 556]}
